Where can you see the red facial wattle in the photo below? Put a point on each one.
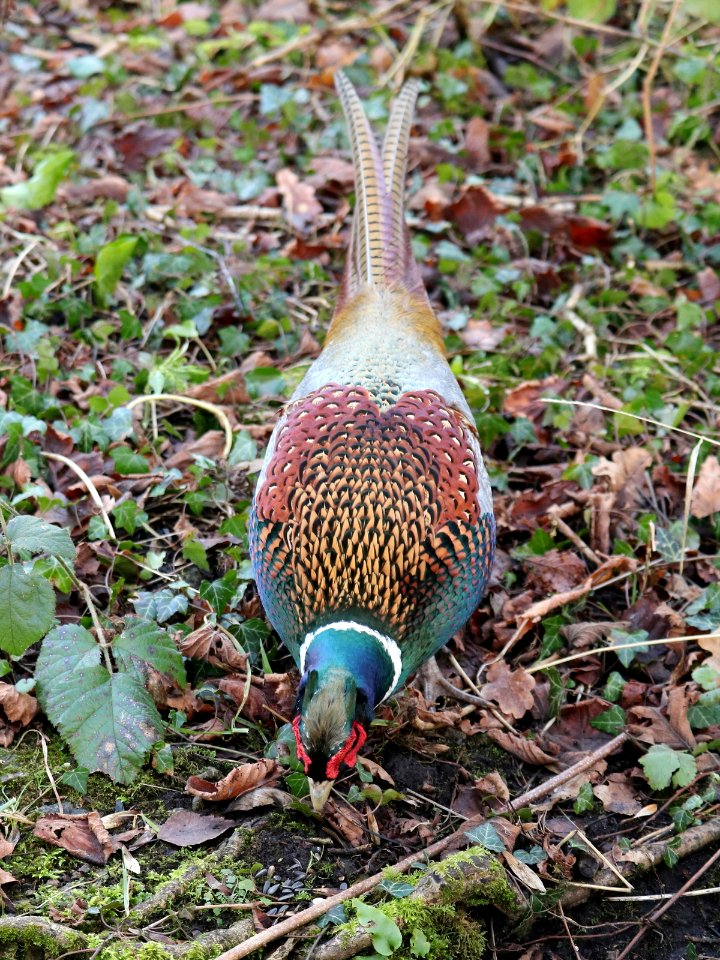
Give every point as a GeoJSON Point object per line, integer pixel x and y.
{"type": "Point", "coordinates": [348, 753]}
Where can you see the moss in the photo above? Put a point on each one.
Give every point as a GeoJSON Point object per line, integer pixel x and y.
{"type": "Point", "coordinates": [450, 932]}
{"type": "Point", "coordinates": [18, 942]}
{"type": "Point", "coordinates": [491, 888]}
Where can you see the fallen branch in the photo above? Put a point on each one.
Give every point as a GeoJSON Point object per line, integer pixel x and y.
{"type": "Point", "coordinates": [317, 910]}
{"type": "Point", "coordinates": [29, 930]}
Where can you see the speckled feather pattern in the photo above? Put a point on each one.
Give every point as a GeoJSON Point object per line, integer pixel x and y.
{"type": "Point", "coordinates": [369, 509]}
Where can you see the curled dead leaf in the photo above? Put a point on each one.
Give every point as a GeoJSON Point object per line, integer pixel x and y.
{"type": "Point", "coordinates": [81, 834]}
{"type": "Point", "coordinates": [242, 779]}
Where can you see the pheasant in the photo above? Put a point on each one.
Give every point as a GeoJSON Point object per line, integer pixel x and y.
{"type": "Point", "coordinates": [371, 530]}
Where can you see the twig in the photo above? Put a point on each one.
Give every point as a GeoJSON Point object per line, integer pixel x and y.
{"type": "Point", "coordinates": [317, 910]}
{"type": "Point", "coordinates": [656, 914]}
{"type": "Point", "coordinates": [660, 641]}
{"type": "Point", "coordinates": [91, 488]}
{"type": "Point", "coordinates": [632, 416]}
{"type": "Point", "coordinates": [568, 532]}
{"type": "Point", "coordinates": [689, 483]}
{"type": "Point", "coordinates": [647, 91]}
{"type": "Point", "coordinates": [193, 402]}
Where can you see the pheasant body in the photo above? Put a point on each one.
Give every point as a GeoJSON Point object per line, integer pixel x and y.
{"type": "Point", "coordinates": [371, 533]}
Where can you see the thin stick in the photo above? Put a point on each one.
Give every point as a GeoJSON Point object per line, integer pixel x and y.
{"type": "Point", "coordinates": [91, 488]}
{"type": "Point", "coordinates": [633, 416]}
{"type": "Point", "coordinates": [317, 910]}
{"type": "Point", "coordinates": [656, 914]}
{"type": "Point", "coordinates": [665, 896]}
{"type": "Point", "coordinates": [543, 664]}
{"type": "Point", "coordinates": [193, 402]}
{"type": "Point", "coordinates": [692, 464]}
{"type": "Point", "coordinates": [647, 91]}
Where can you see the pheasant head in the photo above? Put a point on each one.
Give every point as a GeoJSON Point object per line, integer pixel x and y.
{"type": "Point", "coordinates": [348, 669]}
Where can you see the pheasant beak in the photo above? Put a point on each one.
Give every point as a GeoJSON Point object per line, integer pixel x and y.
{"type": "Point", "coordinates": [319, 793]}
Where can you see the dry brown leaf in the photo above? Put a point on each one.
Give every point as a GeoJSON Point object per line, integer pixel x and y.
{"type": "Point", "coordinates": [526, 750]}
{"type": "Point", "coordinates": [81, 834]}
{"type": "Point", "coordinates": [625, 472]}
{"type": "Point", "coordinates": [19, 708]}
{"type": "Point", "coordinates": [6, 877]}
{"type": "Point", "coordinates": [706, 492]}
{"type": "Point", "coordinates": [301, 205]}
{"type": "Point", "coordinates": [228, 389]}
{"type": "Point", "coordinates": [242, 779]}
{"type": "Point", "coordinates": [261, 797]}
{"type": "Point", "coordinates": [214, 646]}
{"type": "Point", "coordinates": [483, 335]}
{"type": "Point", "coordinates": [343, 818]}
{"type": "Point", "coordinates": [618, 795]}
{"type": "Point", "coordinates": [556, 571]}
{"type": "Point", "coordinates": [473, 212]}
{"type": "Point", "coordinates": [510, 689]}
{"type": "Point", "coordinates": [184, 828]}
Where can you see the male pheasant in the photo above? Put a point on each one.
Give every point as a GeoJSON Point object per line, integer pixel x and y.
{"type": "Point", "coordinates": [371, 532]}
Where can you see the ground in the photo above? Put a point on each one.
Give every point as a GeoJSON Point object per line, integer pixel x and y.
{"type": "Point", "coordinates": [175, 201]}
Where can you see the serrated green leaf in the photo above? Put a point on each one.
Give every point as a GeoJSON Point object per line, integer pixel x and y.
{"type": "Point", "coordinates": [160, 606]}
{"type": "Point", "coordinates": [27, 609]}
{"type": "Point", "coordinates": [39, 190]}
{"type": "Point", "coordinates": [108, 720]}
{"type": "Point", "coordinates": [38, 536]}
{"type": "Point", "coordinates": [145, 641]}
{"type": "Point", "coordinates": [110, 263]}
{"type": "Point", "coordinates": [610, 721]}
{"type": "Point", "coordinates": [487, 836]}
{"type": "Point", "coordinates": [663, 765]}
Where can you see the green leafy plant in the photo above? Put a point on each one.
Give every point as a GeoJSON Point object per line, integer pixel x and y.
{"type": "Point", "coordinates": [93, 691]}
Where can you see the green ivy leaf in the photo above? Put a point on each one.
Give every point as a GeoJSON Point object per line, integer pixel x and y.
{"type": "Point", "coordinates": [611, 721]}
{"type": "Point", "coordinates": [127, 460]}
{"type": "Point", "coordinates": [110, 263]}
{"type": "Point", "coordinates": [219, 593]}
{"type": "Point", "coordinates": [34, 535]}
{"type": "Point", "coordinates": [396, 888]}
{"type": "Point", "coordinates": [27, 609]}
{"type": "Point", "coordinates": [419, 943]}
{"type": "Point", "coordinates": [706, 712]}
{"type": "Point", "coordinates": [146, 641]}
{"type": "Point", "coordinates": [196, 553]}
{"type": "Point", "coordinates": [585, 800]}
{"type": "Point", "coordinates": [39, 190]}
{"type": "Point", "coordinates": [107, 719]}
{"type": "Point", "coordinates": [487, 836]}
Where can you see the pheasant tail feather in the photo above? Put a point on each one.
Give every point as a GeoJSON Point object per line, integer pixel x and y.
{"type": "Point", "coordinates": [380, 254]}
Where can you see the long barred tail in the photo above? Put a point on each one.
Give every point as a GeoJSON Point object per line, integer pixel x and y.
{"type": "Point", "coordinates": [380, 254]}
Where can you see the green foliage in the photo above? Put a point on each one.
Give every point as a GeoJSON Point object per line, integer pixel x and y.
{"type": "Point", "coordinates": [27, 608]}
{"type": "Point", "coordinates": [39, 190]}
{"type": "Point", "coordinates": [663, 766]}
{"type": "Point", "coordinates": [33, 535]}
{"type": "Point", "coordinates": [385, 933]}
{"type": "Point", "coordinates": [487, 836]}
{"type": "Point", "coordinates": [109, 265]}
{"type": "Point", "coordinates": [107, 717]}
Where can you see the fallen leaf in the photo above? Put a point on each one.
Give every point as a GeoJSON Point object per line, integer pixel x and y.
{"type": "Point", "coordinates": [473, 212]}
{"type": "Point", "coordinates": [240, 780]}
{"type": "Point", "coordinates": [483, 335]}
{"type": "Point", "coordinates": [477, 134]}
{"type": "Point", "coordinates": [18, 707]}
{"type": "Point", "coordinates": [214, 646]}
{"type": "Point", "coordinates": [706, 492]}
{"type": "Point", "coordinates": [709, 284]}
{"type": "Point", "coordinates": [555, 571]}
{"type": "Point", "coordinates": [81, 834]}
{"type": "Point", "coordinates": [510, 689]}
{"type": "Point", "coordinates": [343, 818]}
{"type": "Point", "coordinates": [6, 877]}
{"type": "Point", "coordinates": [301, 205]}
{"type": "Point", "coordinates": [523, 872]}
{"type": "Point", "coordinates": [618, 796]}
{"type": "Point", "coordinates": [184, 828]}
{"type": "Point", "coordinates": [262, 797]}
{"type": "Point", "coordinates": [526, 750]}
{"type": "Point", "coordinates": [142, 143]}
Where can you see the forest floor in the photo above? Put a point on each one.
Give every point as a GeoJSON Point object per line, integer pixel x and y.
{"type": "Point", "coordinates": [175, 201]}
